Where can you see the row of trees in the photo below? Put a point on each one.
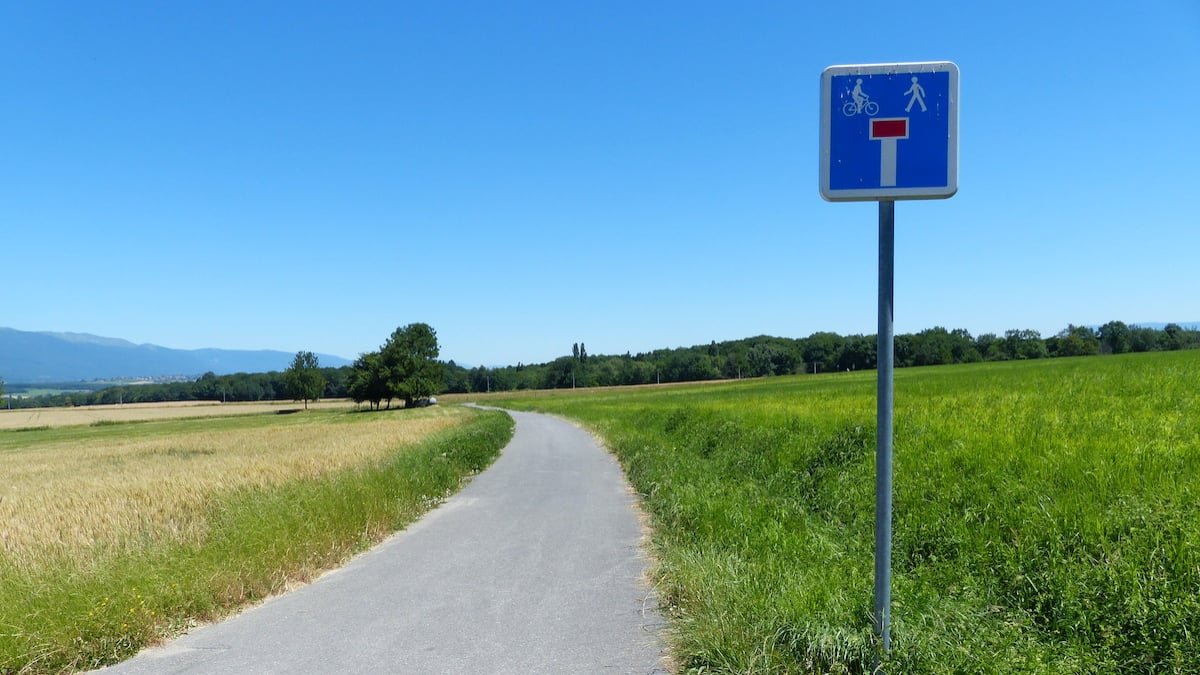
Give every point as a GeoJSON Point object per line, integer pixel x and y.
{"type": "Point", "coordinates": [270, 386]}
{"type": "Point", "coordinates": [406, 367]}
{"type": "Point", "coordinates": [818, 353]}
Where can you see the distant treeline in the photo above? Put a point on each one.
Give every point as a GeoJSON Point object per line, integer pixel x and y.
{"type": "Point", "coordinates": [818, 353]}
{"type": "Point", "coordinates": [209, 387]}
{"type": "Point", "coordinates": [751, 357]}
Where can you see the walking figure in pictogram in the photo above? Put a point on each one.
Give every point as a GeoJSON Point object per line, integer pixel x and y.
{"type": "Point", "coordinates": [918, 96]}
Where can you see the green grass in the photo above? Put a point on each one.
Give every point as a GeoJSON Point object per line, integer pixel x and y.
{"type": "Point", "coordinates": [1045, 516]}
{"type": "Point", "coordinates": [85, 611]}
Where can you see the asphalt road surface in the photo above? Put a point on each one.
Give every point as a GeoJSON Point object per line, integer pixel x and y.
{"type": "Point", "coordinates": [535, 567]}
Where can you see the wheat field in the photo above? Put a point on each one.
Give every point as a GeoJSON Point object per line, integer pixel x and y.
{"type": "Point", "coordinates": [106, 488]}
{"type": "Point", "coordinates": [132, 412]}
{"type": "Point", "coordinates": [115, 535]}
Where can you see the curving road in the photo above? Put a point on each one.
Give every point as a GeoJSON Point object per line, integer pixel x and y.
{"type": "Point", "coordinates": [535, 567]}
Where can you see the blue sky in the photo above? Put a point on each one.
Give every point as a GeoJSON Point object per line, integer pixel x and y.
{"type": "Point", "coordinates": [527, 175]}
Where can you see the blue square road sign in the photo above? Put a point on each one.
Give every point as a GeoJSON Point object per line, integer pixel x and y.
{"type": "Point", "coordinates": [889, 131]}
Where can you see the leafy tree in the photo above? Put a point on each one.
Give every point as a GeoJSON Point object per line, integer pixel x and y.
{"type": "Point", "coordinates": [686, 365]}
{"type": "Point", "coordinates": [932, 347]}
{"type": "Point", "coordinates": [736, 364]}
{"type": "Point", "coordinates": [1077, 341]}
{"type": "Point", "coordinates": [990, 347]}
{"type": "Point", "coordinates": [1175, 336]}
{"type": "Point", "coordinates": [605, 371]}
{"type": "Point", "coordinates": [858, 353]}
{"type": "Point", "coordinates": [762, 358]}
{"type": "Point", "coordinates": [481, 380]}
{"type": "Point", "coordinates": [559, 373]}
{"type": "Point", "coordinates": [410, 356]}
{"type": "Point", "coordinates": [1024, 344]}
{"type": "Point", "coordinates": [206, 389]}
{"type": "Point", "coordinates": [1115, 338]}
{"type": "Point", "coordinates": [1142, 339]}
{"type": "Point", "coordinates": [821, 350]}
{"type": "Point", "coordinates": [963, 347]}
{"type": "Point", "coordinates": [368, 380]}
{"type": "Point", "coordinates": [303, 379]}
{"type": "Point", "coordinates": [457, 379]}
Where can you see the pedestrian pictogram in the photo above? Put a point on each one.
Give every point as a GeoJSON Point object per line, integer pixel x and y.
{"type": "Point", "coordinates": [866, 154]}
{"type": "Point", "coordinates": [918, 96]}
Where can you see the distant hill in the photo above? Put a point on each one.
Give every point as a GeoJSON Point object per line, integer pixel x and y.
{"type": "Point", "coordinates": [29, 357]}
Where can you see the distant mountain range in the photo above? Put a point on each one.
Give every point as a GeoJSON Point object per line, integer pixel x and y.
{"type": "Point", "coordinates": [29, 357]}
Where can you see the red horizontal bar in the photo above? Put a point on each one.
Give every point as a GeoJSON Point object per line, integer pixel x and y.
{"type": "Point", "coordinates": [889, 128]}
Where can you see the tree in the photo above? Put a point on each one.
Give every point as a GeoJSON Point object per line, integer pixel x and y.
{"type": "Point", "coordinates": [457, 379]}
{"type": "Point", "coordinates": [1175, 336]}
{"type": "Point", "coordinates": [559, 373]}
{"type": "Point", "coordinates": [932, 347]}
{"type": "Point", "coordinates": [368, 380]}
{"type": "Point", "coordinates": [303, 379]}
{"type": "Point", "coordinates": [206, 388]}
{"type": "Point", "coordinates": [1115, 338]}
{"type": "Point", "coordinates": [1077, 341]}
{"type": "Point", "coordinates": [1024, 344]}
{"type": "Point", "coordinates": [858, 353]}
{"type": "Point", "coordinates": [1143, 339]}
{"type": "Point", "coordinates": [963, 348]}
{"type": "Point", "coordinates": [821, 351]}
{"type": "Point", "coordinates": [991, 347]}
{"type": "Point", "coordinates": [762, 358]}
{"type": "Point", "coordinates": [410, 357]}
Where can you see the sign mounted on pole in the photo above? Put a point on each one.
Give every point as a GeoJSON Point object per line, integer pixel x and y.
{"type": "Point", "coordinates": [889, 131]}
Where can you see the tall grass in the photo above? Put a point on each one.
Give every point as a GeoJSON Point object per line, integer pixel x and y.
{"type": "Point", "coordinates": [1045, 516]}
{"type": "Point", "coordinates": [166, 524]}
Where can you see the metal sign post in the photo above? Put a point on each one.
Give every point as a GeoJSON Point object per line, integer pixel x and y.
{"type": "Point", "coordinates": [888, 132]}
{"type": "Point", "coordinates": [885, 352]}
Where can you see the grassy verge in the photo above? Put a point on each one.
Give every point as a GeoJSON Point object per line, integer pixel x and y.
{"type": "Point", "coordinates": [1045, 516]}
{"type": "Point", "coordinates": [86, 602]}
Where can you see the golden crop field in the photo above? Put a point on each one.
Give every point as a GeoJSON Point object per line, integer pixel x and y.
{"type": "Point", "coordinates": [64, 492]}
{"type": "Point", "coordinates": [115, 534]}
{"type": "Point", "coordinates": [83, 415]}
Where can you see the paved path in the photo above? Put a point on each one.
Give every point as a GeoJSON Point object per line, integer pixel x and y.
{"type": "Point", "coordinates": [533, 568]}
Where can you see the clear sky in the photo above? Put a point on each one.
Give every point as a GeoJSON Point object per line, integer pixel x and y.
{"type": "Point", "coordinates": [526, 175]}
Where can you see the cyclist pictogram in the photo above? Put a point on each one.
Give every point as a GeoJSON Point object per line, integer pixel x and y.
{"type": "Point", "coordinates": [861, 103]}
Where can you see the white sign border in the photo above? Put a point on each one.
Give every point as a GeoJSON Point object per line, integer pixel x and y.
{"type": "Point", "coordinates": [889, 193]}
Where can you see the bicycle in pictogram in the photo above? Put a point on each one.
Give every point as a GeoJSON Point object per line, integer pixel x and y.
{"type": "Point", "coordinates": [866, 106]}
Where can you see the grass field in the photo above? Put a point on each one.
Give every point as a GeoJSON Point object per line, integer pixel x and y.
{"type": "Point", "coordinates": [116, 534]}
{"type": "Point", "coordinates": [1045, 515]}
